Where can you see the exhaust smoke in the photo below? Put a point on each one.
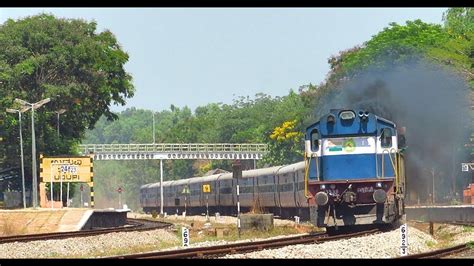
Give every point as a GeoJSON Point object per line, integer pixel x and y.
{"type": "Point", "coordinates": [433, 104]}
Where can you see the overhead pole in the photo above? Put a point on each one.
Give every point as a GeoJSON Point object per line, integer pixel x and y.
{"type": "Point", "coordinates": [22, 166]}
{"type": "Point", "coordinates": [153, 127]}
{"type": "Point", "coordinates": [237, 173]}
{"type": "Point", "coordinates": [161, 187]}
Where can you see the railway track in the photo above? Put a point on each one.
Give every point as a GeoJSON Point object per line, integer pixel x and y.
{"type": "Point", "coordinates": [133, 225]}
{"type": "Point", "coordinates": [215, 251]}
{"type": "Point", "coordinates": [440, 253]}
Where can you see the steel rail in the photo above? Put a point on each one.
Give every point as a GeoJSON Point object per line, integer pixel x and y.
{"type": "Point", "coordinates": [438, 253]}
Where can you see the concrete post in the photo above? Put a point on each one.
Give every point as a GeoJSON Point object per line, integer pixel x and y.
{"type": "Point", "coordinates": [161, 187]}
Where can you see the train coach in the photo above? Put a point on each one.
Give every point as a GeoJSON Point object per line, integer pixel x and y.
{"type": "Point", "coordinates": [279, 190]}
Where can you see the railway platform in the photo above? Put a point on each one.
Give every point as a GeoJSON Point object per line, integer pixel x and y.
{"type": "Point", "coordinates": [47, 220]}
{"type": "Point", "coordinates": [441, 213]}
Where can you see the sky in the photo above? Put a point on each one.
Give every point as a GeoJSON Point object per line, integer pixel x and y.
{"type": "Point", "coordinates": [195, 56]}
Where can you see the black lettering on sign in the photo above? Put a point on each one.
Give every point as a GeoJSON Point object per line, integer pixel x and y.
{"type": "Point", "coordinates": [185, 234]}
{"type": "Point", "coordinates": [67, 161]}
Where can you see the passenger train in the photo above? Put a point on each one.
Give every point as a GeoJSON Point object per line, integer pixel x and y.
{"type": "Point", "coordinates": [352, 173]}
{"type": "Point", "coordinates": [279, 190]}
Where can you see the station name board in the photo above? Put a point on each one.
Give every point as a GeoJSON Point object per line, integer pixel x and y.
{"type": "Point", "coordinates": [66, 169]}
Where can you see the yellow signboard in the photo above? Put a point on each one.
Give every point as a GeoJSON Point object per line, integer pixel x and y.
{"type": "Point", "coordinates": [206, 188]}
{"type": "Point", "coordinates": [66, 169]}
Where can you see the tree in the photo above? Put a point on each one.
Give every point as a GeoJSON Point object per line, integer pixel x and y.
{"type": "Point", "coordinates": [459, 21]}
{"type": "Point", "coordinates": [286, 144]}
{"type": "Point", "coordinates": [68, 61]}
{"type": "Point", "coordinates": [394, 45]}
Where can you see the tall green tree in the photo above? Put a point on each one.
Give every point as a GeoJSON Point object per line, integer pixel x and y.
{"type": "Point", "coordinates": [67, 60]}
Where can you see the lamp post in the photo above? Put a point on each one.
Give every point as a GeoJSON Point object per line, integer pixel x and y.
{"type": "Point", "coordinates": [59, 112]}
{"type": "Point", "coordinates": [9, 110]}
{"type": "Point", "coordinates": [33, 106]}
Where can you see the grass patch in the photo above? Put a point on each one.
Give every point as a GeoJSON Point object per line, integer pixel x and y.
{"type": "Point", "coordinates": [467, 229]}
{"type": "Point", "coordinates": [445, 236]}
{"type": "Point", "coordinates": [471, 245]}
{"type": "Point", "coordinates": [430, 243]}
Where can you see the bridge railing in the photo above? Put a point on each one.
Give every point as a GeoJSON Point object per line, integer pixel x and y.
{"type": "Point", "coordinates": [173, 147]}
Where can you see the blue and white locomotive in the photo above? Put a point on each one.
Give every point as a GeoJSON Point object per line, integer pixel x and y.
{"type": "Point", "coordinates": [354, 169]}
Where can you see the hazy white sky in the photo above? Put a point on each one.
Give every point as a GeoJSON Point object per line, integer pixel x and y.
{"type": "Point", "coordinates": [195, 56]}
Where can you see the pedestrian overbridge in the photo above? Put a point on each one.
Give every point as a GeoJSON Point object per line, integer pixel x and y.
{"type": "Point", "coordinates": [175, 151]}
{"type": "Point", "coordinates": [163, 151]}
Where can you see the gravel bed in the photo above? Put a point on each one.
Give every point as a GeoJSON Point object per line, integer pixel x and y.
{"type": "Point", "coordinates": [382, 245]}
{"type": "Point", "coordinates": [85, 246]}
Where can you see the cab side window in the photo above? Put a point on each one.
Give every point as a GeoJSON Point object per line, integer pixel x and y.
{"type": "Point", "coordinates": [314, 140]}
{"type": "Point", "coordinates": [386, 138]}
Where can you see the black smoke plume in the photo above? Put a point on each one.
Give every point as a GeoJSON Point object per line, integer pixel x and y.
{"type": "Point", "coordinates": [433, 104]}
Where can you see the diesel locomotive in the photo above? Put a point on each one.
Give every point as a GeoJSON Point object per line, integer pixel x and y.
{"type": "Point", "coordinates": [355, 171]}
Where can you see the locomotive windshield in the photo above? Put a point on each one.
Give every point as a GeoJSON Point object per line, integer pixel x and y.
{"type": "Point", "coordinates": [386, 138]}
{"type": "Point", "coordinates": [314, 140]}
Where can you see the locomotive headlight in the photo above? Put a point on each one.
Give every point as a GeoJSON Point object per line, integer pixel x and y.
{"type": "Point", "coordinates": [380, 196]}
{"type": "Point", "coordinates": [323, 186]}
{"type": "Point", "coordinates": [322, 198]}
{"type": "Point", "coordinates": [378, 184]}
{"type": "Point", "coordinates": [347, 115]}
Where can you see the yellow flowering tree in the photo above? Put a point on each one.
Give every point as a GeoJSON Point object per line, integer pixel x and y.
{"type": "Point", "coordinates": [286, 143]}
